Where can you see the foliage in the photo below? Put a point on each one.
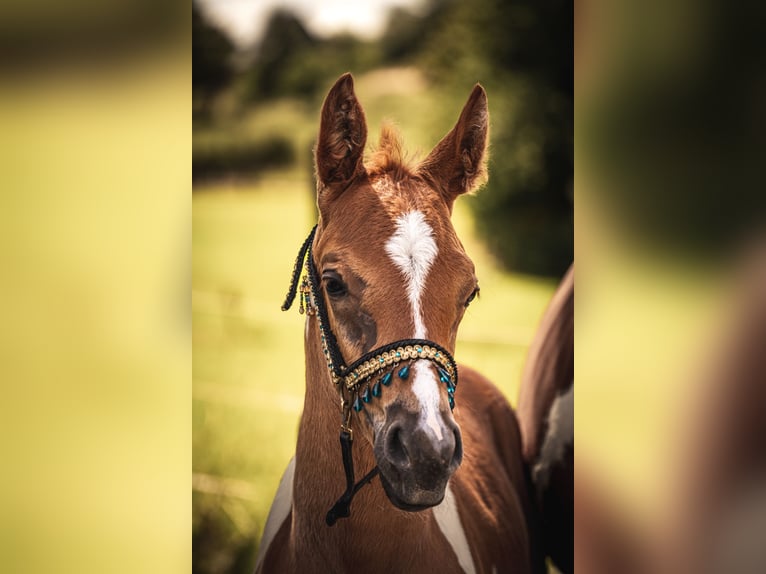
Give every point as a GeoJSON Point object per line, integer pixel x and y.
{"type": "Point", "coordinates": [290, 61]}
{"type": "Point", "coordinates": [211, 52]}
{"type": "Point", "coordinates": [525, 212]}
{"type": "Point", "coordinates": [285, 43]}
{"type": "Point", "coordinates": [212, 160]}
{"type": "Point", "coordinates": [218, 544]}
{"type": "Point", "coordinates": [407, 33]}
{"type": "Point", "coordinates": [522, 52]}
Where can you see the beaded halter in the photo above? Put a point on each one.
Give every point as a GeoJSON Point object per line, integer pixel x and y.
{"type": "Point", "coordinates": [361, 381]}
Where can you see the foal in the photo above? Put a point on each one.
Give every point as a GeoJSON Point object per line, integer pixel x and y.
{"type": "Point", "coordinates": [388, 280]}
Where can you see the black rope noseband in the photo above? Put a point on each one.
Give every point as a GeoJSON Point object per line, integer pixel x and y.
{"type": "Point", "coordinates": [377, 364]}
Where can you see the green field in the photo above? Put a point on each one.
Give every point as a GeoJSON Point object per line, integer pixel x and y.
{"type": "Point", "coordinates": [248, 355]}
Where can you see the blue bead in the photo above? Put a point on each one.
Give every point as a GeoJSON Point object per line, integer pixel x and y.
{"type": "Point", "coordinates": [404, 372]}
{"type": "Point", "coordinates": [382, 360]}
{"type": "Point", "coordinates": [443, 374]}
{"type": "Point", "coordinates": [450, 389]}
{"type": "Point", "coordinates": [357, 404]}
{"type": "Point", "coordinates": [386, 380]}
{"type": "Point", "coordinates": [444, 379]}
{"type": "Point", "coordinates": [376, 390]}
{"type": "Point", "coordinates": [451, 401]}
{"type": "Point", "coordinates": [398, 355]}
{"type": "Point", "coordinates": [366, 395]}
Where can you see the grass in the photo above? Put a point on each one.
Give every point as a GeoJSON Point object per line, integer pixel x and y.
{"type": "Point", "coordinates": [248, 370]}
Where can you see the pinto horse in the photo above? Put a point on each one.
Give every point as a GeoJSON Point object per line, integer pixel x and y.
{"type": "Point", "coordinates": [387, 283]}
{"type": "Point", "coordinates": [546, 418]}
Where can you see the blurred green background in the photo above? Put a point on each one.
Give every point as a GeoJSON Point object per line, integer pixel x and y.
{"type": "Point", "coordinates": [256, 110]}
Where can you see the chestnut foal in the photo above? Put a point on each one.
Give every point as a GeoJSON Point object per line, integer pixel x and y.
{"type": "Point", "coordinates": [387, 282]}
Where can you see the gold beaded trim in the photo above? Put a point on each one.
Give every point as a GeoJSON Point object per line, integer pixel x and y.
{"type": "Point", "coordinates": [380, 362]}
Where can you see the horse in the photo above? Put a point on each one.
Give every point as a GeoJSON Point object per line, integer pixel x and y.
{"type": "Point", "coordinates": [546, 419]}
{"type": "Point", "coordinates": [386, 284]}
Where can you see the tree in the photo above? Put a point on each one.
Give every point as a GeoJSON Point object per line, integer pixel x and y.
{"type": "Point", "coordinates": [285, 43]}
{"type": "Point", "coordinates": [211, 69]}
{"type": "Point", "coordinates": [522, 51]}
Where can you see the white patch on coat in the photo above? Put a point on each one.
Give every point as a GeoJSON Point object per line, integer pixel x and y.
{"type": "Point", "coordinates": [413, 249]}
{"type": "Point", "coordinates": [426, 389]}
{"type": "Point", "coordinates": [448, 520]}
{"type": "Point", "coordinates": [280, 509]}
{"type": "Point", "coordinates": [560, 434]}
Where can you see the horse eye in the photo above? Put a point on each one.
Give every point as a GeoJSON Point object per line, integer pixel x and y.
{"type": "Point", "coordinates": [333, 284]}
{"type": "Point", "coordinates": [472, 296]}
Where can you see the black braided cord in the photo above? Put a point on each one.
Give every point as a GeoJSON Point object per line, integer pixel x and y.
{"type": "Point", "coordinates": [338, 365]}
{"type": "Point", "coordinates": [297, 270]}
{"type": "Point", "coordinates": [342, 508]}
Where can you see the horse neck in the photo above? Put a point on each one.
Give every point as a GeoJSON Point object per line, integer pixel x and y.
{"type": "Point", "coordinates": [318, 454]}
{"type": "Point", "coordinates": [319, 476]}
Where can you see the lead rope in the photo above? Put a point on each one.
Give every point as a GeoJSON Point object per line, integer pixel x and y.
{"type": "Point", "coordinates": [342, 508]}
{"type": "Point", "coordinates": [297, 271]}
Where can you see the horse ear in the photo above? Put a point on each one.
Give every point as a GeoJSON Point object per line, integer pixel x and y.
{"type": "Point", "coordinates": [342, 137]}
{"type": "Point", "coordinates": [458, 163]}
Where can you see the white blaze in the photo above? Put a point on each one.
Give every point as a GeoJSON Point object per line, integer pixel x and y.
{"type": "Point", "coordinates": [426, 389]}
{"type": "Point", "coordinates": [413, 250]}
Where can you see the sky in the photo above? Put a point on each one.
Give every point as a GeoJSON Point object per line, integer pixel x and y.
{"type": "Point", "coordinates": [244, 19]}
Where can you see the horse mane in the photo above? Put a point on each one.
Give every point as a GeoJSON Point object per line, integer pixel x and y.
{"type": "Point", "coordinates": [388, 157]}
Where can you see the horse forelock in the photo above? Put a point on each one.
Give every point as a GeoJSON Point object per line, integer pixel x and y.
{"type": "Point", "coordinates": [389, 157]}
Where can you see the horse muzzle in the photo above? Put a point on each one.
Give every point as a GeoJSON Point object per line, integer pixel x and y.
{"type": "Point", "coordinates": [416, 460]}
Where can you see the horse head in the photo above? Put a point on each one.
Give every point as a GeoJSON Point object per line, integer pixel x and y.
{"type": "Point", "coordinates": [391, 268]}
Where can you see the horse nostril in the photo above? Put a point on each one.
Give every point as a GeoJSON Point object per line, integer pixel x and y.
{"type": "Point", "coordinates": [395, 450]}
{"type": "Point", "coordinates": [457, 454]}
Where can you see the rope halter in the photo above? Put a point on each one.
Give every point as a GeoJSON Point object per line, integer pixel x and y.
{"type": "Point", "coordinates": [361, 381]}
